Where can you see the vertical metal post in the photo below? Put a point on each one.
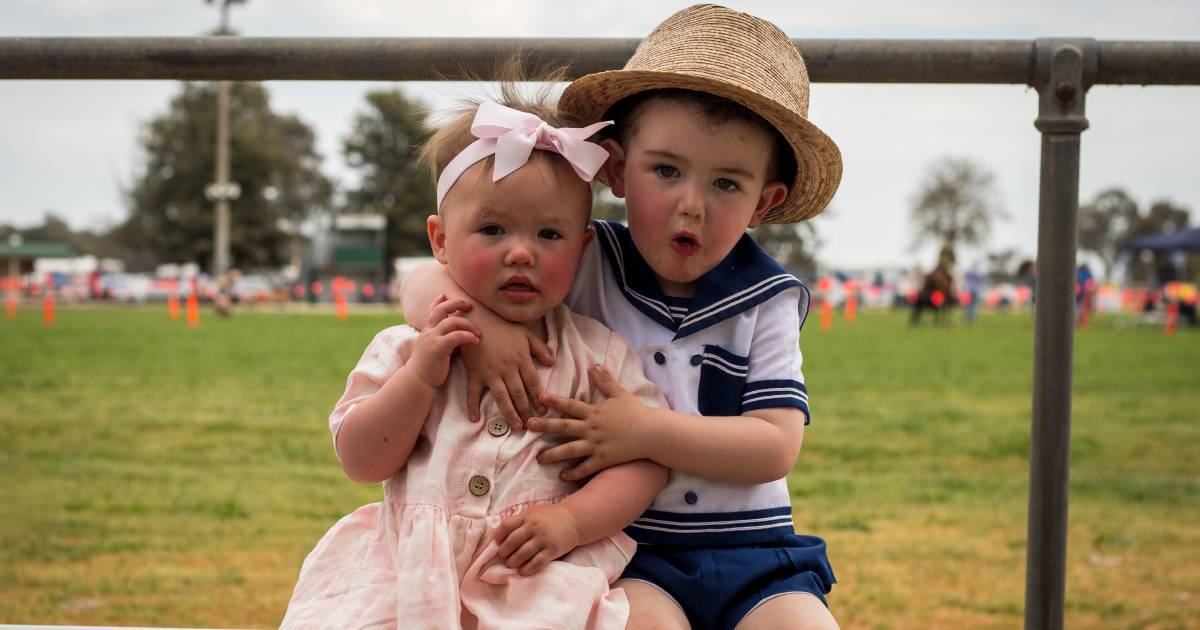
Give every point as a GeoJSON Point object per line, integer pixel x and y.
{"type": "Point", "coordinates": [221, 237]}
{"type": "Point", "coordinates": [1061, 75]}
{"type": "Point", "coordinates": [221, 192]}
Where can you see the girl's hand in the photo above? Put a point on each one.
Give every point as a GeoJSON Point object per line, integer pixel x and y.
{"type": "Point", "coordinates": [445, 331]}
{"type": "Point", "coordinates": [531, 539]}
{"type": "Point", "coordinates": [606, 434]}
{"type": "Point", "coordinates": [504, 366]}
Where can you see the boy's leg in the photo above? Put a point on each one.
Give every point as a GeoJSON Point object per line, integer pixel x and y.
{"type": "Point", "coordinates": [790, 610]}
{"type": "Point", "coordinates": [650, 607]}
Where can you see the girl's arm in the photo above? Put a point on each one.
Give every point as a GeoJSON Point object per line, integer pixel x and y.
{"type": "Point", "coordinates": [377, 434]}
{"type": "Point", "coordinates": [756, 447]}
{"type": "Point", "coordinates": [503, 364]}
{"type": "Point", "coordinates": [610, 501]}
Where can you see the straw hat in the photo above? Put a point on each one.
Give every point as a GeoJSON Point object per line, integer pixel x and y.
{"type": "Point", "coordinates": [708, 48]}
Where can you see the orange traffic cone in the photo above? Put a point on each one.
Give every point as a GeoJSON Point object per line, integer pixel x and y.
{"type": "Point", "coordinates": [173, 305]}
{"type": "Point", "coordinates": [193, 310]}
{"type": "Point", "coordinates": [826, 315]}
{"type": "Point", "coordinates": [10, 305]}
{"type": "Point", "coordinates": [851, 311]}
{"type": "Point", "coordinates": [339, 299]}
{"type": "Point", "coordinates": [48, 307]}
{"type": "Point", "coordinates": [1172, 317]}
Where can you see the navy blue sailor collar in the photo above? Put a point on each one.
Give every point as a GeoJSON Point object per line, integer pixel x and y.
{"type": "Point", "coordinates": [746, 278]}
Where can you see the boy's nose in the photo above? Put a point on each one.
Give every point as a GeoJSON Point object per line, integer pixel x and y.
{"type": "Point", "coordinates": [691, 203]}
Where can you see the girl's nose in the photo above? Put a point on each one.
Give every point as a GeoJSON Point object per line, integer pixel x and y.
{"type": "Point", "coordinates": [519, 254]}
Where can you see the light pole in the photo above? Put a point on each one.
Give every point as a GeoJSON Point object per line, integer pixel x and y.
{"type": "Point", "coordinates": [222, 191]}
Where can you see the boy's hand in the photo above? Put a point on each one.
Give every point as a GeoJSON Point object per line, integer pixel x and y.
{"type": "Point", "coordinates": [504, 366]}
{"type": "Point", "coordinates": [445, 330]}
{"type": "Point", "coordinates": [606, 434]}
{"type": "Point", "coordinates": [531, 539]}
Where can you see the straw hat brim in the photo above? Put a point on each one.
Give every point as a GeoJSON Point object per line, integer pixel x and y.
{"type": "Point", "coordinates": [818, 160]}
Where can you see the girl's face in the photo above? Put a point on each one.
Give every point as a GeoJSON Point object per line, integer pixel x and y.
{"type": "Point", "coordinates": [514, 245]}
{"type": "Point", "coordinates": [691, 188]}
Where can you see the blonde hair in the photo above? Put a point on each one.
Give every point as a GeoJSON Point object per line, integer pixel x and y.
{"type": "Point", "coordinates": [455, 135]}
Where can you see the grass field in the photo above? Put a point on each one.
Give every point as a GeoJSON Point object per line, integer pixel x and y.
{"type": "Point", "coordinates": [157, 475]}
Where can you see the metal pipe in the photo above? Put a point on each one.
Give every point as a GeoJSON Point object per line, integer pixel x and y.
{"type": "Point", "coordinates": [433, 59]}
{"type": "Point", "coordinates": [1064, 66]}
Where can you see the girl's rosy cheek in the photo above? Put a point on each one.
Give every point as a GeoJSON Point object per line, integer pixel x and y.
{"type": "Point", "coordinates": [477, 266]}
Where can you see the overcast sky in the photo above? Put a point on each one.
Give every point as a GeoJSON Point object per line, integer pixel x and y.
{"type": "Point", "coordinates": [70, 146]}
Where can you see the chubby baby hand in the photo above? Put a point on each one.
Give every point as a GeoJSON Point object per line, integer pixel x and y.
{"type": "Point", "coordinates": [531, 539]}
{"type": "Point", "coordinates": [445, 330]}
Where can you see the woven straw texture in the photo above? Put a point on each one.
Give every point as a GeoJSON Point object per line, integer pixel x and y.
{"type": "Point", "coordinates": [708, 48]}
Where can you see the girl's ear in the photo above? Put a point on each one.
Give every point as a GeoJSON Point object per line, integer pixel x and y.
{"type": "Point", "coordinates": [614, 167]}
{"type": "Point", "coordinates": [772, 195]}
{"type": "Point", "coordinates": [436, 229]}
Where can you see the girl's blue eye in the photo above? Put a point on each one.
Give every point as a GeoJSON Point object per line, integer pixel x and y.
{"type": "Point", "coordinates": [727, 185]}
{"type": "Point", "coordinates": [492, 230]}
{"type": "Point", "coordinates": [666, 170]}
{"type": "Point", "coordinates": [548, 234]}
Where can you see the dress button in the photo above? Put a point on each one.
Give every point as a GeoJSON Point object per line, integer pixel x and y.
{"type": "Point", "coordinates": [497, 427]}
{"type": "Point", "coordinates": [690, 497]}
{"type": "Point", "coordinates": [697, 359]}
{"type": "Point", "coordinates": [479, 485]}
{"type": "Point", "coordinates": [660, 358]}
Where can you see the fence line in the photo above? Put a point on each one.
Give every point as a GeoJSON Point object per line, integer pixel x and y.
{"type": "Point", "coordinates": [432, 59]}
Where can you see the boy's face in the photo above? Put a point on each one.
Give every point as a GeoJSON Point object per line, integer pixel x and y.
{"type": "Point", "coordinates": [514, 245]}
{"type": "Point", "coordinates": [691, 188]}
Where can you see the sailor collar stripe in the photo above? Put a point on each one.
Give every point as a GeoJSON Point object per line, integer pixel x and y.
{"type": "Point", "coordinates": [746, 278]}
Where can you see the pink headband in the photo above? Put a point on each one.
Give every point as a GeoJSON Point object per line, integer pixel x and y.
{"type": "Point", "coordinates": [512, 135]}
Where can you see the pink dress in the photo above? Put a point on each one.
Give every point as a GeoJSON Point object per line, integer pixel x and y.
{"type": "Point", "coordinates": [425, 557]}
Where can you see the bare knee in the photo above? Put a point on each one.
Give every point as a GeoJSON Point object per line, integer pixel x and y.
{"type": "Point", "coordinates": [652, 609]}
{"type": "Point", "coordinates": [793, 610]}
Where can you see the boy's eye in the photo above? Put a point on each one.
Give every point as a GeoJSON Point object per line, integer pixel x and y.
{"type": "Point", "coordinates": [549, 234]}
{"type": "Point", "coordinates": [666, 170]}
{"type": "Point", "coordinates": [727, 185]}
{"type": "Point", "coordinates": [492, 230]}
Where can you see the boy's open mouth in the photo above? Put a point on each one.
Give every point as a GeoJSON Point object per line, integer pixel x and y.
{"type": "Point", "coordinates": [685, 244]}
{"type": "Point", "coordinates": [519, 289]}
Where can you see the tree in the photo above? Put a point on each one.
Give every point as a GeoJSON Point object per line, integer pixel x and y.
{"type": "Point", "coordinates": [1105, 223]}
{"type": "Point", "coordinates": [55, 229]}
{"type": "Point", "coordinates": [1113, 217]}
{"type": "Point", "coordinates": [383, 146]}
{"type": "Point", "coordinates": [792, 245]}
{"type": "Point", "coordinates": [956, 205]}
{"type": "Point", "coordinates": [273, 160]}
{"type": "Point", "coordinates": [1161, 216]}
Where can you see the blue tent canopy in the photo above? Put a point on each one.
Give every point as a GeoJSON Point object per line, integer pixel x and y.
{"type": "Point", "coordinates": [1183, 240]}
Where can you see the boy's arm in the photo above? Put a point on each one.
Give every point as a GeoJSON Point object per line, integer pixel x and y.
{"type": "Point", "coordinates": [503, 364]}
{"type": "Point", "coordinates": [610, 501]}
{"type": "Point", "coordinates": [756, 447]}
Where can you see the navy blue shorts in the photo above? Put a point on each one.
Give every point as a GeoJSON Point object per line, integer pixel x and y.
{"type": "Point", "coordinates": [717, 586]}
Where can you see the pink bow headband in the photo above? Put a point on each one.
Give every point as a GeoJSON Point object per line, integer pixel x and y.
{"type": "Point", "coordinates": [512, 136]}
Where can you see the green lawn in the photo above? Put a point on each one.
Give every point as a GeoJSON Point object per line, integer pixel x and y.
{"type": "Point", "coordinates": [159, 475]}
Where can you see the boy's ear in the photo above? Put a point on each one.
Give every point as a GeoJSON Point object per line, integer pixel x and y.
{"type": "Point", "coordinates": [588, 235]}
{"type": "Point", "coordinates": [436, 229]}
{"type": "Point", "coordinates": [772, 195]}
{"type": "Point", "coordinates": [614, 167]}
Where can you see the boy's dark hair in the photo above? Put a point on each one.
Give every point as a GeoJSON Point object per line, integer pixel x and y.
{"type": "Point", "coordinates": [625, 112]}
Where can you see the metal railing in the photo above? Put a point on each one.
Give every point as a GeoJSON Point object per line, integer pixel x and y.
{"type": "Point", "coordinates": [1061, 70]}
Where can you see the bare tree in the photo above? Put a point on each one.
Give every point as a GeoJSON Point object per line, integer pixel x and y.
{"type": "Point", "coordinates": [955, 205]}
{"type": "Point", "coordinates": [1105, 223]}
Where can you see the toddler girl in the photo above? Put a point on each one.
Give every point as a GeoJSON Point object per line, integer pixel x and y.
{"type": "Point", "coordinates": [473, 531]}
